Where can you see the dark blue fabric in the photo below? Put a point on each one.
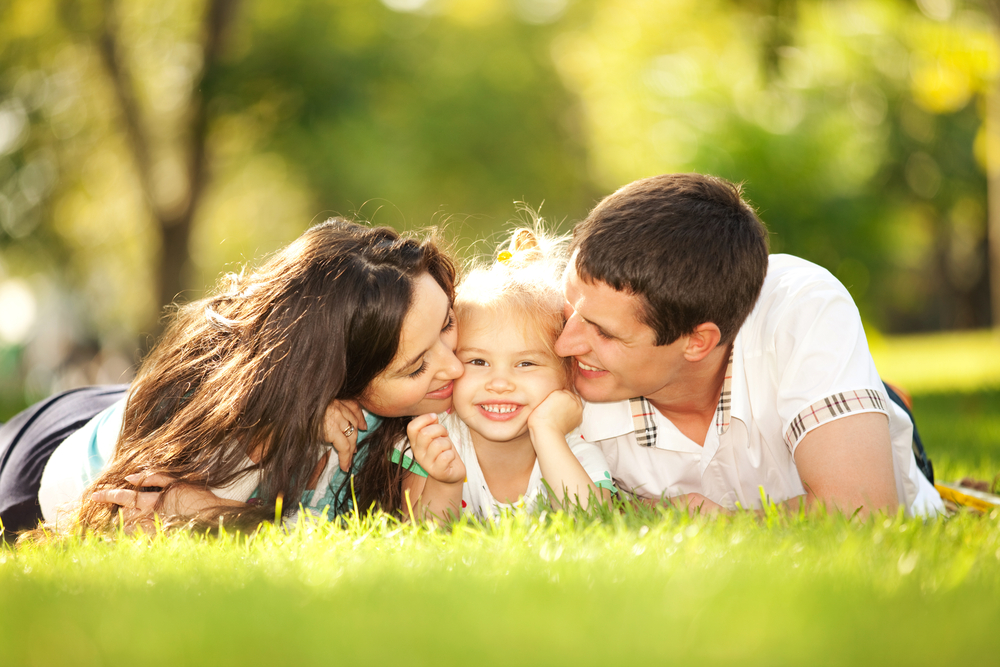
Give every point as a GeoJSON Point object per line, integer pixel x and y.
{"type": "Point", "coordinates": [28, 440]}
{"type": "Point", "coordinates": [923, 461]}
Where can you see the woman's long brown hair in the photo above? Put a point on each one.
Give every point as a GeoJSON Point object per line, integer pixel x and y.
{"type": "Point", "coordinates": [252, 368]}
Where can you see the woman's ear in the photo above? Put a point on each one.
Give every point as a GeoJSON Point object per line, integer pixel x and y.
{"type": "Point", "coordinates": [702, 341]}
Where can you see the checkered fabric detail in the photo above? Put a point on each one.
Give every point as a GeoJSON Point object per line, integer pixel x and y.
{"type": "Point", "coordinates": [642, 420]}
{"type": "Point", "coordinates": [832, 407]}
{"type": "Point", "coordinates": [722, 411]}
{"type": "Point", "coordinates": [642, 411]}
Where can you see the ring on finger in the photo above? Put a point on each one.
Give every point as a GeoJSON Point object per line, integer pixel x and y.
{"type": "Point", "coordinates": [349, 431]}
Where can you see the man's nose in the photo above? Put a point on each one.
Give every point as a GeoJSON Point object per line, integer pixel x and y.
{"type": "Point", "coordinates": [571, 342]}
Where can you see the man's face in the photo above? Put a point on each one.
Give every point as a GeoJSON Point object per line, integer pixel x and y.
{"type": "Point", "coordinates": [616, 356]}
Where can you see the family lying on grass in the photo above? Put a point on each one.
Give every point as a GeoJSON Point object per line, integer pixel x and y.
{"type": "Point", "coordinates": [712, 377]}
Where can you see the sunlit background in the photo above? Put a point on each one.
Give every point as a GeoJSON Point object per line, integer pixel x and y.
{"type": "Point", "coordinates": [146, 147]}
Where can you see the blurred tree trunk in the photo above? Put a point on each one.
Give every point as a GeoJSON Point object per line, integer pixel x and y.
{"type": "Point", "coordinates": [993, 176]}
{"type": "Point", "coordinates": [173, 215]}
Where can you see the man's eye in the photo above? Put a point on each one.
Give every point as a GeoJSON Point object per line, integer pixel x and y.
{"type": "Point", "coordinates": [600, 332]}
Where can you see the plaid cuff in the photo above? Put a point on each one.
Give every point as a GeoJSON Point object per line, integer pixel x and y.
{"type": "Point", "coordinates": [833, 407]}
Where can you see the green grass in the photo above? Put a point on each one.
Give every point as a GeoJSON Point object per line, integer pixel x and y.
{"type": "Point", "coordinates": [531, 590]}
{"type": "Point", "coordinates": [554, 589]}
{"type": "Point", "coordinates": [952, 361]}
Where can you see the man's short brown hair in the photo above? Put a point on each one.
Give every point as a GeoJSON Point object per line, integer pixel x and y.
{"type": "Point", "coordinates": [687, 244]}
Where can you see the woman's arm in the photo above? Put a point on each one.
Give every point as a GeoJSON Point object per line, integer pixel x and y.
{"type": "Point", "coordinates": [140, 507]}
{"type": "Point", "coordinates": [548, 425]}
{"type": "Point", "coordinates": [439, 495]}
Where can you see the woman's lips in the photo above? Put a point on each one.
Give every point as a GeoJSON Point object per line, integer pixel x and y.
{"type": "Point", "coordinates": [499, 412]}
{"type": "Point", "coordinates": [443, 392]}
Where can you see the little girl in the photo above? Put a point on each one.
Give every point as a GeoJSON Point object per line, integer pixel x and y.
{"type": "Point", "coordinates": [511, 436]}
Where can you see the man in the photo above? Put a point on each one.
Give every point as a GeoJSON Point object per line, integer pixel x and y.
{"type": "Point", "coordinates": [715, 375]}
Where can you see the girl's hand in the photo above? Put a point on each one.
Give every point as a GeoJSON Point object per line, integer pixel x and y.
{"type": "Point", "coordinates": [139, 507]}
{"type": "Point", "coordinates": [434, 451]}
{"type": "Point", "coordinates": [341, 424]}
{"type": "Point", "coordinates": [562, 410]}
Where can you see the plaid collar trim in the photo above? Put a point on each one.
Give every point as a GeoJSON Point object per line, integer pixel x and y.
{"type": "Point", "coordinates": [724, 409]}
{"type": "Point", "coordinates": [644, 424]}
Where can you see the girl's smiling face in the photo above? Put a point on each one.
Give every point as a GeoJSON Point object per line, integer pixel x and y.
{"type": "Point", "coordinates": [420, 379]}
{"type": "Point", "coordinates": [509, 371]}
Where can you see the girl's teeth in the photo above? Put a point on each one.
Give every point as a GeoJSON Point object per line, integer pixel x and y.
{"type": "Point", "coordinates": [502, 409]}
{"type": "Point", "coordinates": [586, 367]}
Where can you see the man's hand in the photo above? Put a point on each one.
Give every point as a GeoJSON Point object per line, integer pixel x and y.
{"type": "Point", "coordinates": [434, 451]}
{"type": "Point", "coordinates": [695, 503]}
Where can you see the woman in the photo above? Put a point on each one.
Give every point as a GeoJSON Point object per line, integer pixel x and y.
{"type": "Point", "coordinates": [250, 389]}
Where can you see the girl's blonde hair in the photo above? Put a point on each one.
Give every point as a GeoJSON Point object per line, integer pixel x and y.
{"type": "Point", "coordinates": [522, 284]}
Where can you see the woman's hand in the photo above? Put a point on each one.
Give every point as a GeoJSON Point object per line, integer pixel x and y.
{"type": "Point", "coordinates": [562, 410]}
{"type": "Point", "coordinates": [341, 424]}
{"type": "Point", "coordinates": [139, 507]}
{"type": "Point", "coordinates": [434, 451]}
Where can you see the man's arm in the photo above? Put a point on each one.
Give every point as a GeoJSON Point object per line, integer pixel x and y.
{"type": "Point", "coordinates": [847, 464]}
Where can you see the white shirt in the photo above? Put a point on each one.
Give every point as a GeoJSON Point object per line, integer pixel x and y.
{"type": "Point", "coordinates": [800, 360]}
{"type": "Point", "coordinates": [476, 495]}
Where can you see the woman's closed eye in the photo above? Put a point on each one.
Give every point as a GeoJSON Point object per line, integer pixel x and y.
{"type": "Point", "coordinates": [450, 324]}
{"type": "Point", "coordinates": [419, 371]}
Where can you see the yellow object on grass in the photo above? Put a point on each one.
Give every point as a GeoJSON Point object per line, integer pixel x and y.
{"type": "Point", "coordinates": [966, 497]}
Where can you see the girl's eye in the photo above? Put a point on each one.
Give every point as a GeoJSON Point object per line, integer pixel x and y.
{"type": "Point", "coordinates": [419, 371]}
{"type": "Point", "coordinates": [523, 364]}
{"type": "Point", "coordinates": [476, 362]}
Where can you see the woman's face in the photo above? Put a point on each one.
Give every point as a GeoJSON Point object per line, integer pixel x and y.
{"type": "Point", "coordinates": [419, 379]}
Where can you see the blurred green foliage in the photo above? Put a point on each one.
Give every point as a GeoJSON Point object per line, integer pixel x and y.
{"type": "Point", "coordinates": [855, 125]}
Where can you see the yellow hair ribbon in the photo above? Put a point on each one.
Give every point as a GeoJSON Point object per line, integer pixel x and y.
{"type": "Point", "coordinates": [504, 257]}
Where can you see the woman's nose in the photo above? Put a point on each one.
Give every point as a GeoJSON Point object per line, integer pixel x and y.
{"type": "Point", "coordinates": [451, 367]}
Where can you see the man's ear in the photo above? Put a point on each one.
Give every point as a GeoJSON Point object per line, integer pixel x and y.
{"type": "Point", "coordinates": [702, 341]}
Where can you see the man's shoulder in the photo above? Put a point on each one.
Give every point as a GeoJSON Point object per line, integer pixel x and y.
{"type": "Point", "coordinates": [784, 269]}
{"type": "Point", "coordinates": [790, 284]}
